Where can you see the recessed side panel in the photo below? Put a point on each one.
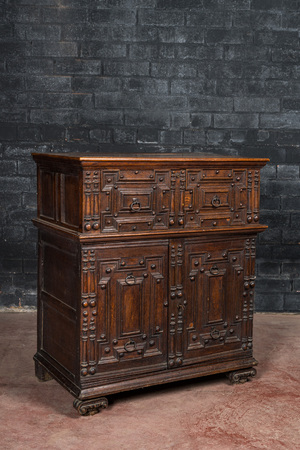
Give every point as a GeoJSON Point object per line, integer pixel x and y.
{"type": "Point", "coordinates": [69, 200]}
{"type": "Point", "coordinates": [47, 195]}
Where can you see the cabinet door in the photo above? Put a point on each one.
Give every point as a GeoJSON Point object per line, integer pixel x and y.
{"type": "Point", "coordinates": [216, 308]}
{"type": "Point", "coordinates": [132, 314]}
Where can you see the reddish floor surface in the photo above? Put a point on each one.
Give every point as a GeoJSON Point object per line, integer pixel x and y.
{"type": "Point", "coordinates": [207, 413]}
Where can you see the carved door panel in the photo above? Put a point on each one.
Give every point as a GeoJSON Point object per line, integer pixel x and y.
{"type": "Point", "coordinates": [215, 307]}
{"type": "Point", "coordinates": [132, 314]}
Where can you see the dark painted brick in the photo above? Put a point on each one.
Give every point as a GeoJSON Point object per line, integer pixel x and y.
{"type": "Point", "coordinates": [286, 54]}
{"type": "Point", "coordinates": [96, 117]}
{"type": "Point", "coordinates": [117, 16]}
{"type": "Point", "coordinates": [233, 87]}
{"type": "Point", "coordinates": [273, 285]}
{"type": "Point", "coordinates": [147, 135]}
{"type": "Point", "coordinates": [124, 135]}
{"type": "Point", "coordinates": [143, 51]}
{"type": "Point", "coordinates": [261, 104]}
{"type": "Point", "coordinates": [171, 137]}
{"type": "Point", "coordinates": [275, 219]}
{"type": "Point", "coordinates": [77, 67]}
{"type": "Point", "coordinates": [270, 203]}
{"type": "Point", "coordinates": [14, 184]}
{"type": "Point", "coordinates": [291, 20]}
{"type": "Point", "coordinates": [8, 132]}
{"type": "Point", "coordinates": [293, 155]}
{"type": "Point", "coordinates": [26, 14]}
{"type": "Point", "coordinates": [54, 117]}
{"type": "Point", "coordinates": [50, 83]}
{"type": "Point", "coordinates": [291, 270]}
{"type": "Point", "coordinates": [170, 102]}
{"type": "Point", "coordinates": [281, 188]}
{"type": "Point", "coordinates": [296, 285]}
{"type": "Point", "coordinates": [286, 252]}
{"type": "Point", "coordinates": [195, 87]}
{"type": "Point", "coordinates": [229, 4]}
{"type": "Point", "coordinates": [64, 15]}
{"type": "Point", "coordinates": [295, 220]}
{"type": "Point", "coordinates": [246, 53]}
{"type": "Point", "coordinates": [103, 50]}
{"type": "Point", "coordinates": [235, 120]}
{"type": "Point", "coordinates": [29, 266]}
{"type": "Point", "coordinates": [11, 82]}
{"type": "Point", "coordinates": [291, 203]}
{"type": "Point", "coordinates": [152, 17]}
{"type": "Point", "coordinates": [276, 38]}
{"type": "Point", "coordinates": [11, 265]}
{"type": "Point", "coordinates": [187, 4]}
{"type": "Point", "coordinates": [233, 36]}
{"type": "Point", "coordinates": [257, 20]}
{"type": "Point", "coordinates": [26, 168]}
{"type": "Point", "coordinates": [8, 167]}
{"type": "Point", "coordinates": [266, 302]}
{"type": "Point", "coordinates": [287, 171]}
{"type": "Point", "coordinates": [96, 84]}
{"type": "Point", "coordinates": [216, 137]}
{"type": "Point", "coordinates": [291, 236]}
{"type": "Point", "coordinates": [54, 49]}
{"type": "Point", "coordinates": [100, 135]}
{"type": "Point", "coordinates": [200, 120]}
{"type": "Point", "coordinates": [283, 120]}
{"type": "Point", "coordinates": [146, 85]}
{"type": "Point", "coordinates": [39, 32]}
{"type": "Point", "coordinates": [154, 118]}
{"type": "Point", "coordinates": [189, 35]}
{"type": "Point", "coordinates": [209, 19]}
{"type": "Point", "coordinates": [292, 302]}
{"type": "Point", "coordinates": [268, 268]}
{"type": "Point", "coordinates": [29, 200]}
{"type": "Point", "coordinates": [116, 68]}
{"type": "Point", "coordinates": [291, 104]}
{"type": "Point", "coordinates": [268, 172]}
{"type": "Point", "coordinates": [30, 133]}
{"type": "Point", "coordinates": [270, 236]}
{"type": "Point", "coordinates": [219, 104]}
{"type": "Point", "coordinates": [266, 5]}
{"type": "Point", "coordinates": [167, 70]}
{"type": "Point", "coordinates": [122, 99]}
{"type": "Point", "coordinates": [180, 120]}
{"type": "Point", "coordinates": [194, 137]}
{"type": "Point", "coordinates": [52, 132]}
{"type": "Point", "coordinates": [199, 52]}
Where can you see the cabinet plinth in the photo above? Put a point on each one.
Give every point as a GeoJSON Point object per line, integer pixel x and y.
{"type": "Point", "coordinates": [146, 270]}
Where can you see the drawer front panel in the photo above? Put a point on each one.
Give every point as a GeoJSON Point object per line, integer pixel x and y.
{"type": "Point", "coordinates": [215, 200]}
{"type": "Point", "coordinates": [135, 200]}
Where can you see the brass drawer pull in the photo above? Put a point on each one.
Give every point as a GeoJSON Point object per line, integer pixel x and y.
{"type": "Point", "coordinates": [216, 201]}
{"type": "Point", "coordinates": [135, 205]}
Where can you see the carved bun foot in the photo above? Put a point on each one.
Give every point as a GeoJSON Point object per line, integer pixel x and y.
{"type": "Point", "coordinates": [241, 376]}
{"type": "Point", "coordinates": [41, 373]}
{"type": "Point", "coordinates": [91, 406]}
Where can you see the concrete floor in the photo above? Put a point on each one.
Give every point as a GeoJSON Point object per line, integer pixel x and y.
{"type": "Point", "coordinates": [207, 413]}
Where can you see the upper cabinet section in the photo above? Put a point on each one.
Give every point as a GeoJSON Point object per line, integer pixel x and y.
{"type": "Point", "coordinates": [147, 193]}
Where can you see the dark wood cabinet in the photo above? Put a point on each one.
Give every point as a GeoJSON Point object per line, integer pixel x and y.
{"type": "Point", "coordinates": [146, 270]}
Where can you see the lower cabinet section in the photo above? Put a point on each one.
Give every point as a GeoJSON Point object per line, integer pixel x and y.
{"type": "Point", "coordinates": [116, 316]}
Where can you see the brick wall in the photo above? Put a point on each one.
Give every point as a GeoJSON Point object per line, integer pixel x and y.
{"type": "Point", "coordinates": [152, 75]}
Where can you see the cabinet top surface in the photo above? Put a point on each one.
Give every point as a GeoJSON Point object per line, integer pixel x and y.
{"type": "Point", "coordinates": [145, 157]}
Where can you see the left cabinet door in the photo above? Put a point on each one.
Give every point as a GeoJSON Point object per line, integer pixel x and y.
{"type": "Point", "coordinates": [130, 313]}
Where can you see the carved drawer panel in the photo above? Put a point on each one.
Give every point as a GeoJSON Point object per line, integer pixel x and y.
{"type": "Point", "coordinates": [135, 200]}
{"type": "Point", "coordinates": [215, 197]}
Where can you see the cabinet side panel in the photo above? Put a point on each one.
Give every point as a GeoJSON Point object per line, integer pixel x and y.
{"type": "Point", "coordinates": [58, 298]}
{"type": "Point", "coordinates": [69, 200]}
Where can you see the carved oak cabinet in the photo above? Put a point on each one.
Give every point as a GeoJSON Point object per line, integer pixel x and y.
{"type": "Point", "coordinates": [146, 270]}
